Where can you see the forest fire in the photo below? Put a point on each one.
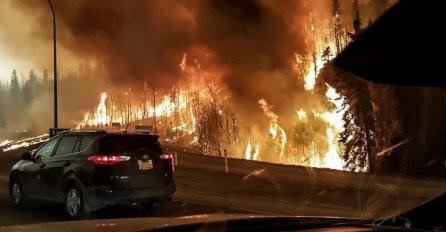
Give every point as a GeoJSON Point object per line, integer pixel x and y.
{"type": "Point", "coordinates": [197, 113]}
{"type": "Point", "coordinates": [210, 106]}
{"type": "Point", "coordinates": [254, 78]}
{"type": "Point", "coordinates": [199, 116]}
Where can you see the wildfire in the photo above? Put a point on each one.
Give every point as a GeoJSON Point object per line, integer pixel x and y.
{"type": "Point", "coordinates": [332, 158]}
{"type": "Point", "coordinates": [274, 127]}
{"type": "Point", "coordinates": [194, 114]}
{"type": "Point", "coordinates": [313, 71]}
{"type": "Point", "coordinates": [321, 56]}
{"type": "Point", "coordinates": [194, 121]}
{"type": "Point", "coordinates": [99, 116]}
{"type": "Point", "coordinates": [335, 117]}
{"type": "Point", "coordinates": [251, 151]}
{"type": "Point", "coordinates": [5, 142]}
{"type": "Point", "coordinates": [24, 142]}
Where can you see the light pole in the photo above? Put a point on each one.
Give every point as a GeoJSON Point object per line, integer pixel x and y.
{"type": "Point", "coordinates": [55, 65]}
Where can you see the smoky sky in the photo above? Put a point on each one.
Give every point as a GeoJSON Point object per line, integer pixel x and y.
{"type": "Point", "coordinates": [255, 44]}
{"type": "Point", "coordinates": [252, 40]}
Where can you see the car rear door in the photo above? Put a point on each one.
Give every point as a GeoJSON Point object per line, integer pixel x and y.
{"type": "Point", "coordinates": [146, 166]}
{"type": "Point", "coordinates": [53, 169]}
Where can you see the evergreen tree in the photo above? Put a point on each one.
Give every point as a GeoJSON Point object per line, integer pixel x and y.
{"type": "Point", "coordinates": [336, 13]}
{"type": "Point", "coordinates": [357, 23]}
{"type": "Point", "coordinates": [358, 137]}
{"type": "Point", "coordinates": [46, 81]}
{"type": "Point", "coordinates": [14, 87]}
{"type": "Point", "coordinates": [30, 87]}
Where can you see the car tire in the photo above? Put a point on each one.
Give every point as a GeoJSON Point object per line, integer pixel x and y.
{"type": "Point", "coordinates": [74, 202]}
{"type": "Point", "coordinates": [18, 197]}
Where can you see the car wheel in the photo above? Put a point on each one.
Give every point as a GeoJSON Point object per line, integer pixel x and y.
{"type": "Point", "coordinates": [74, 202]}
{"type": "Point", "coordinates": [16, 193]}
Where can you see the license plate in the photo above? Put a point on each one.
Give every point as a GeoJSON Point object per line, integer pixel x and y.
{"type": "Point", "coordinates": [145, 164]}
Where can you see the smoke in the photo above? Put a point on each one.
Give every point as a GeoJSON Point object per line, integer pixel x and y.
{"type": "Point", "coordinates": [253, 40]}
{"type": "Point", "coordinates": [131, 39]}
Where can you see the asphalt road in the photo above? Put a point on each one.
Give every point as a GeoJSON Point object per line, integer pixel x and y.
{"type": "Point", "coordinates": [252, 187]}
{"type": "Point", "coordinates": [290, 190]}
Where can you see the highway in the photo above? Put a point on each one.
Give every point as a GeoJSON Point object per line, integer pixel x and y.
{"type": "Point", "coordinates": [251, 187]}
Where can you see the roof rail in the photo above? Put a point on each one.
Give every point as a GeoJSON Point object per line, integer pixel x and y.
{"type": "Point", "coordinates": [99, 131]}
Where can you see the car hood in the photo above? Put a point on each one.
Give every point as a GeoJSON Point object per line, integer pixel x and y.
{"type": "Point", "coordinates": [138, 224]}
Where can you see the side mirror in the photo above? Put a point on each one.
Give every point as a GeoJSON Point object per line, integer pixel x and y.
{"type": "Point", "coordinates": [26, 156]}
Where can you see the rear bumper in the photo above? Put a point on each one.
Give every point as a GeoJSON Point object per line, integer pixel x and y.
{"type": "Point", "coordinates": [100, 196]}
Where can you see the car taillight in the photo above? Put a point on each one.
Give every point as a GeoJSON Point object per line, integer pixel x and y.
{"type": "Point", "coordinates": [108, 159]}
{"type": "Point", "coordinates": [166, 156]}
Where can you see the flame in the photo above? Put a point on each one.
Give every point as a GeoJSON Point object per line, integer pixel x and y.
{"type": "Point", "coordinates": [335, 117]}
{"type": "Point", "coordinates": [313, 71]}
{"type": "Point", "coordinates": [5, 142]}
{"type": "Point", "coordinates": [194, 120]}
{"type": "Point", "coordinates": [274, 127]}
{"type": "Point", "coordinates": [332, 158]}
{"type": "Point", "coordinates": [183, 62]}
{"type": "Point", "coordinates": [302, 114]}
{"type": "Point", "coordinates": [273, 130]}
{"type": "Point", "coordinates": [99, 116]}
{"type": "Point", "coordinates": [183, 113]}
{"type": "Point", "coordinates": [25, 142]}
{"type": "Point", "coordinates": [178, 113]}
{"type": "Point", "coordinates": [321, 47]}
{"type": "Point", "coordinates": [251, 151]}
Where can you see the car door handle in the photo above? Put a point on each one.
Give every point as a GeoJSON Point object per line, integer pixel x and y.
{"type": "Point", "coordinates": [67, 163]}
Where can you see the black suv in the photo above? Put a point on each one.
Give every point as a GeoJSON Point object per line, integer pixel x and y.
{"type": "Point", "coordinates": [90, 170]}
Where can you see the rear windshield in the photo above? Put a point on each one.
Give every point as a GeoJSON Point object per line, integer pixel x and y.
{"type": "Point", "coordinates": [117, 144]}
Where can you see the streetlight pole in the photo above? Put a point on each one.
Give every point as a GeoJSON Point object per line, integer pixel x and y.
{"type": "Point", "coordinates": [55, 65]}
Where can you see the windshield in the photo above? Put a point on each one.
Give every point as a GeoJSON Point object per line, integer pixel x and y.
{"type": "Point", "coordinates": [245, 97]}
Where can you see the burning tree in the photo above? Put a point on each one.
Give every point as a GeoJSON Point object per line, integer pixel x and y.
{"type": "Point", "coordinates": [359, 124]}
{"type": "Point", "coordinates": [336, 13]}
{"type": "Point", "coordinates": [210, 129]}
{"type": "Point", "coordinates": [309, 138]}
